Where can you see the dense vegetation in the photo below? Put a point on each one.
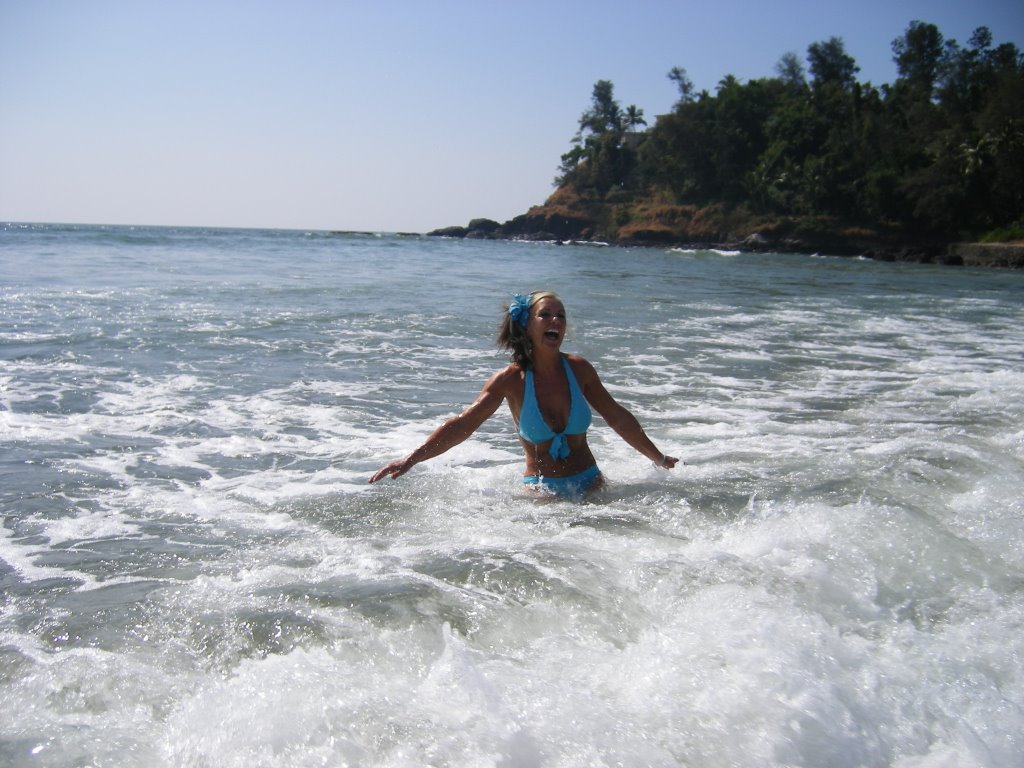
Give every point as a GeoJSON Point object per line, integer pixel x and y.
{"type": "Point", "coordinates": [940, 152]}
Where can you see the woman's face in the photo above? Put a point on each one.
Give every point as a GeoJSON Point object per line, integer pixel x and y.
{"type": "Point", "coordinates": [547, 324]}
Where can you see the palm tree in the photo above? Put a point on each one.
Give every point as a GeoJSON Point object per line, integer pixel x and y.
{"type": "Point", "coordinates": [634, 117]}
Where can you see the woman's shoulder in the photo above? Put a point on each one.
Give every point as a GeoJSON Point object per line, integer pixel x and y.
{"type": "Point", "coordinates": [508, 376]}
{"type": "Point", "coordinates": [580, 364]}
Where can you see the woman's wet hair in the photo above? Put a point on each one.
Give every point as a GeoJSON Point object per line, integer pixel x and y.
{"type": "Point", "coordinates": [512, 336]}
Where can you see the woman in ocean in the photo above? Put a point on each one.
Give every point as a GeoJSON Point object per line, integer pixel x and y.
{"type": "Point", "coordinates": [545, 389]}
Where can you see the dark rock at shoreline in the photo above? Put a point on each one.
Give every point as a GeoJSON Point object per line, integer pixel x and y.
{"type": "Point", "coordinates": [449, 232]}
{"type": "Point", "coordinates": [485, 226]}
{"type": "Point", "coordinates": [479, 229]}
{"type": "Point", "coordinates": [1005, 255]}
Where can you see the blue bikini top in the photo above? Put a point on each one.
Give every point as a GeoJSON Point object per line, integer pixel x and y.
{"type": "Point", "coordinates": [535, 430]}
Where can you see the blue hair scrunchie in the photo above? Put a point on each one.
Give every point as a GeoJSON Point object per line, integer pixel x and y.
{"type": "Point", "coordinates": [519, 309]}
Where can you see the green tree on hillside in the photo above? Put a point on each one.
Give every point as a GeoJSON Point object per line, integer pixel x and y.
{"type": "Point", "coordinates": [687, 92]}
{"type": "Point", "coordinates": [967, 174]}
{"type": "Point", "coordinates": [831, 66]}
{"type": "Point", "coordinates": [598, 160]}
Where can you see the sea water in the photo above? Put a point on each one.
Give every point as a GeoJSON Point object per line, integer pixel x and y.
{"type": "Point", "coordinates": [195, 572]}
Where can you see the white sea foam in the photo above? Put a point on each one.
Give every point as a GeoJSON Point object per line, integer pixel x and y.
{"type": "Point", "coordinates": [195, 570]}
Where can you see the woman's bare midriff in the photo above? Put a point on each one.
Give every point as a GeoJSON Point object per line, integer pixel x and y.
{"type": "Point", "coordinates": [540, 462]}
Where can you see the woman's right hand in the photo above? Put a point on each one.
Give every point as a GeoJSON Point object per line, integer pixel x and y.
{"type": "Point", "coordinates": [666, 462]}
{"type": "Point", "coordinates": [395, 469]}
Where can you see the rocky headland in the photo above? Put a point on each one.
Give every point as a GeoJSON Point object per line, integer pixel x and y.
{"type": "Point", "coordinates": [567, 218]}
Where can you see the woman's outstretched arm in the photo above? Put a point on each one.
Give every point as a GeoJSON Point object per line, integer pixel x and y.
{"type": "Point", "coordinates": [617, 416]}
{"type": "Point", "coordinates": [454, 430]}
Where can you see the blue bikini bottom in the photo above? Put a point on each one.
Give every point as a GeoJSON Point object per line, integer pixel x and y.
{"type": "Point", "coordinates": [567, 487]}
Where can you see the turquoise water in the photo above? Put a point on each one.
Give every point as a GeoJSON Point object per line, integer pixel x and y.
{"type": "Point", "coordinates": [194, 571]}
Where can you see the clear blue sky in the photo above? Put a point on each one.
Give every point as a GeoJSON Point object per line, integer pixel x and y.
{"type": "Point", "coordinates": [386, 115]}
